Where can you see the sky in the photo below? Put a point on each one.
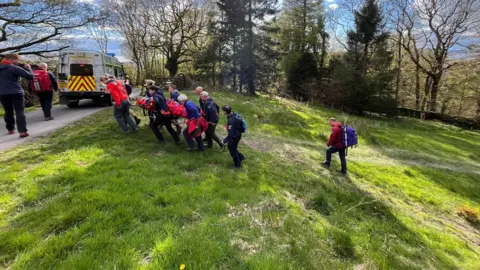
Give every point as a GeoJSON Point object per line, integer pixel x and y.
{"type": "Point", "coordinates": [82, 39]}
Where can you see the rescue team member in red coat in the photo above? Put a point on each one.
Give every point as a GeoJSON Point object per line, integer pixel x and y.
{"type": "Point", "coordinates": [122, 104]}
{"type": "Point", "coordinates": [12, 95]}
{"type": "Point", "coordinates": [335, 145]}
{"type": "Point", "coordinates": [46, 95]}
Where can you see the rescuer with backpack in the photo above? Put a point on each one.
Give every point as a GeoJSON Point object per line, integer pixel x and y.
{"type": "Point", "coordinates": [235, 127]}
{"type": "Point", "coordinates": [43, 85]}
{"type": "Point", "coordinates": [122, 103]}
{"type": "Point", "coordinates": [12, 95]}
{"type": "Point", "coordinates": [162, 114]}
{"type": "Point", "coordinates": [340, 138]}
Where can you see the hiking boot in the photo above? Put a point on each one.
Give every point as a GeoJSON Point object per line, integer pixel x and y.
{"type": "Point", "coordinates": [222, 147]}
{"type": "Point", "coordinates": [136, 129]}
{"type": "Point", "coordinates": [177, 143]}
{"type": "Point", "coordinates": [325, 165]}
{"type": "Point", "coordinates": [49, 118]}
{"type": "Point", "coordinates": [242, 158]}
{"type": "Point", "coordinates": [190, 149]}
{"type": "Point", "coordinates": [342, 172]}
{"type": "Point", "coordinates": [24, 134]}
{"type": "Point", "coordinates": [209, 146]}
{"type": "Point", "coordinates": [10, 132]}
{"type": "Point", "coordinates": [137, 121]}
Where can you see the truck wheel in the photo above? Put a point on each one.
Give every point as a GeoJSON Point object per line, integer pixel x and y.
{"type": "Point", "coordinates": [73, 104]}
{"type": "Point", "coordinates": [108, 101]}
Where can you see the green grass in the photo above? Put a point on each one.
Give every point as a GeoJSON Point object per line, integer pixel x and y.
{"type": "Point", "coordinates": [87, 197]}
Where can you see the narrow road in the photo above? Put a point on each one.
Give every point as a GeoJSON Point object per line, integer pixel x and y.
{"type": "Point", "coordinates": [38, 127]}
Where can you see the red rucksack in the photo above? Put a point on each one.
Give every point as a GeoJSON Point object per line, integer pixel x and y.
{"type": "Point", "coordinates": [176, 109]}
{"type": "Point", "coordinates": [41, 81]}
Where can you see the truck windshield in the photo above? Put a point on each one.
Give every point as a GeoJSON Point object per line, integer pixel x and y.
{"type": "Point", "coordinates": [81, 70]}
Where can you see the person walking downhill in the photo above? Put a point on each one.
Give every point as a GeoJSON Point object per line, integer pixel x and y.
{"type": "Point", "coordinates": [43, 85]}
{"type": "Point", "coordinates": [335, 145]}
{"type": "Point", "coordinates": [234, 128]}
{"type": "Point", "coordinates": [193, 129]}
{"type": "Point", "coordinates": [12, 95]}
{"type": "Point", "coordinates": [122, 104]}
{"type": "Point", "coordinates": [211, 111]}
{"type": "Point", "coordinates": [162, 115]}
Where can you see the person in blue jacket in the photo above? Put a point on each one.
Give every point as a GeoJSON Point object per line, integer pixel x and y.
{"type": "Point", "coordinates": [162, 115]}
{"type": "Point", "coordinates": [211, 111]}
{"type": "Point", "coordinates": [12, 95]}
{"type": "Point", "coordinates": [193, 114]}
{"type": "Point", "coordinates": [234, 127]}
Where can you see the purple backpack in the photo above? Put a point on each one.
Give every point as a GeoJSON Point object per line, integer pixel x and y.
{"type": "Point", "coordinates": [349, 136]}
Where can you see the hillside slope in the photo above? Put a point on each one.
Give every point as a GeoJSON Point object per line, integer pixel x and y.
{"type": "Point", "coordinates": [88, 197]}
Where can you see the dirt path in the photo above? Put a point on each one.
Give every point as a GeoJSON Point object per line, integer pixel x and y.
{"type": "Point", "coordinates": [37, 127]}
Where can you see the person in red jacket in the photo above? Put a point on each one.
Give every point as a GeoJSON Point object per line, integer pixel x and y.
{"type": "Point", "coordinates": [335, 145]}
{"type": "Point", "coordinates": [122, 104]}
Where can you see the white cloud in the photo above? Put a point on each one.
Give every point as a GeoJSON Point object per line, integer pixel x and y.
{"type": "Point", "coordinates": [333, 6]}
{"type": "Point", "coordinates": [86, 1]}
{"type": "Point", "coordinates": [330, 1]}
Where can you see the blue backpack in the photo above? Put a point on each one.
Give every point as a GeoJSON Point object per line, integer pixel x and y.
{"type": "Point", "coordinates": [349, 136]}
{"type": "Point", "coordinates": [243, 127]}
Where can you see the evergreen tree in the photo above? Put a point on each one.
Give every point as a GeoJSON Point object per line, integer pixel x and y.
{"type": "Point", "coordinates": [302, 76]}
{"type": "Point", "coordinates": [367, 64]}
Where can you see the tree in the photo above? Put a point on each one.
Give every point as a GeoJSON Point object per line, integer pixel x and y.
{"type": "Point", "coordinates": [39, 27]}
{"type": "Point", "coordinates": [367, 63]}
{"type": "Point", "coordinates": [178, 29]}
{"type": "Point", "coordinates": [430, 29]}
{"type": "Point", "coordinates": [100, 33]}
{"type": "Point", "coordinates": [302, 76]}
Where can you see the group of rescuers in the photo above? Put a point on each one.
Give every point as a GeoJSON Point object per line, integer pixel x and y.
{"type": "Point", "coordinates": [200, 119]}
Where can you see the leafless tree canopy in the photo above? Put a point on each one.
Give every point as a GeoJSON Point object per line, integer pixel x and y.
{"type": "Point", "coordinates": [38, 27]}
{"type": "Point", "coordinates": [430, 29]}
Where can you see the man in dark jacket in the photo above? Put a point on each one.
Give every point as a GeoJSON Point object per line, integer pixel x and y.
{"type": "Point", "coordinates": [46, 97]}
{"type": "Point", "coordinates": [12, 95]}
{"type": "Point", "coordinates": [174, 93]}
{"type": "Point", "coordinates": [162, 115]}
{"type": "Point", "coordinates": [234, 127]}
{"type": "Point", "coordinates": [335, 145]}
{"type": "Point", "coordinates": [211, 111]}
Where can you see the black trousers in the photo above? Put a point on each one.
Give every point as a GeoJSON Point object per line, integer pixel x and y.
{"type": "Point", "coordinates": [46, 100]}
{"type": "Point", "coordinates": [163, 121]}
{"type": "Point", "coordinates": [14, 103]}
{"type": "Point", "coordinates": [341, 152]}
{"type": "Point", "coordinates": [236, 155]}
{"type": "Point", "coordinates": [211, 135]}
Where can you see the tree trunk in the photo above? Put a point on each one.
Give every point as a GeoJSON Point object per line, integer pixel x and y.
{"type": "Point", "coordinates": [172, 66]}
{"type": "Point", "coordinates": [428, 83]}
{"type": "Point", "coordinates": [434, 93]}
{"type": "Point", "coordinates": [139, 80]}
{"type": "Point", "coordinates": [417, 88]}
{"type": "Point", "coordinates": [250, 70]}
{"type": "Point", "coordinates": [304, 41]}
{"type": "Point", "coordinates": [477, 116]}
{"type": "Point", "coordinates": [213, 73]}
{"type": "Point", "coordinates": [399, 69]}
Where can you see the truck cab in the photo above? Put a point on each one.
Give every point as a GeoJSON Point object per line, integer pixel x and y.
{"type": "Point", "coordinates": [79, 75]}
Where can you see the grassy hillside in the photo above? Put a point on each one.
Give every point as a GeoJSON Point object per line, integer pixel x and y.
{"type": "Point", "coordinates": [88, 197]}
